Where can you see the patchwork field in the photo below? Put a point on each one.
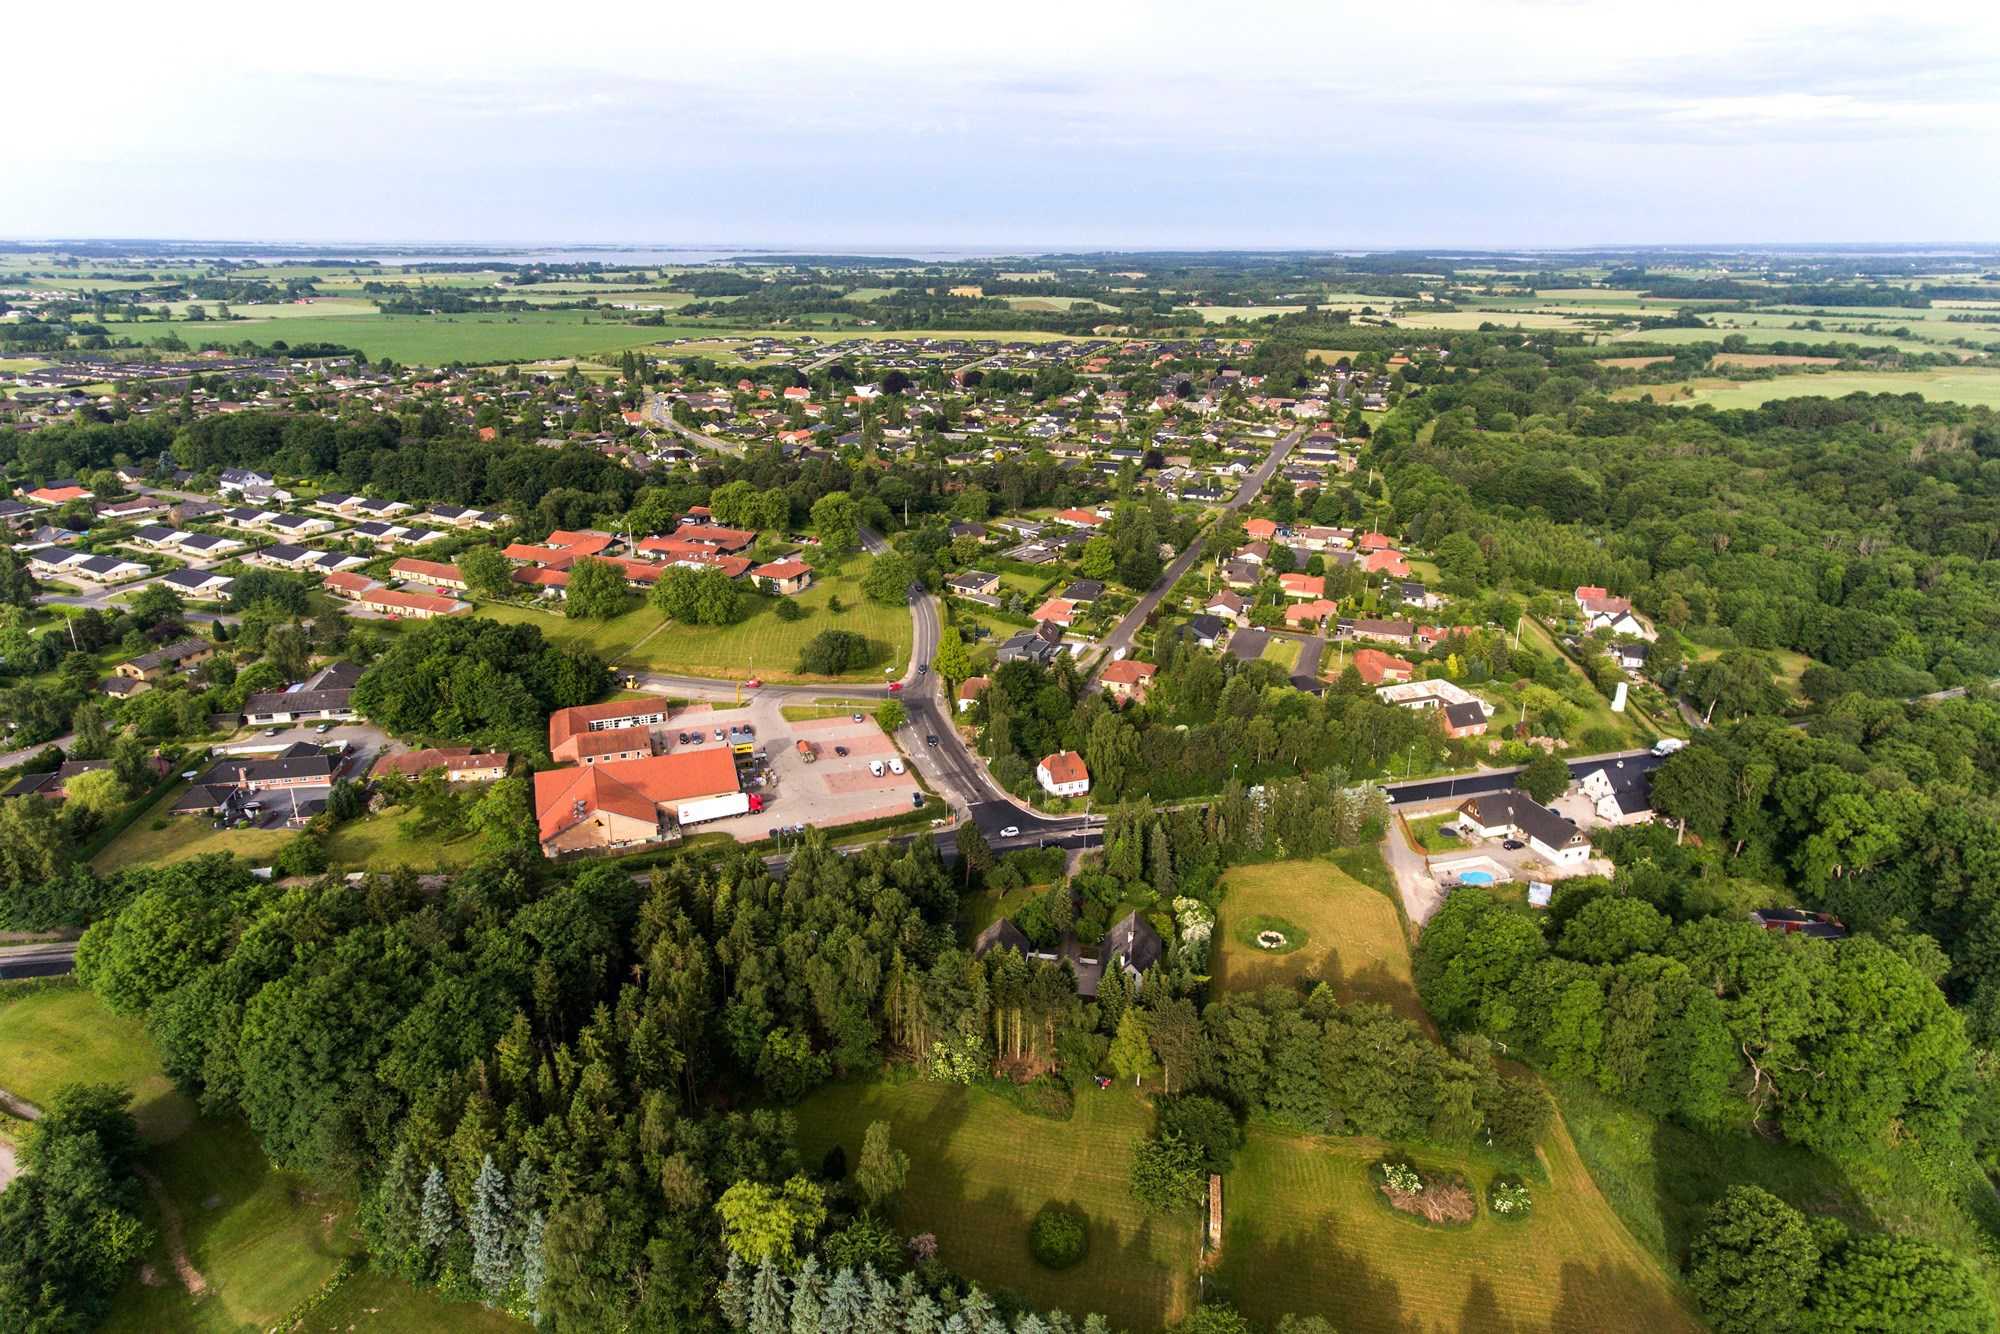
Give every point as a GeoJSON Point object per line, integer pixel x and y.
{"type": "Point", "coordinates": [1353, 938]}
{"type": "Point", "coordinates": [436, 339]}
{"type": "Point", "coordinates": [980, 1170]}
{"type": "Point", "coordinates": [1970, 385]}
{"type": "Point", "coordinates": [1304, 1234]}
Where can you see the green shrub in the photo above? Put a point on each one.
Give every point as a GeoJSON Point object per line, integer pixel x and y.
{"type": "Point", "coordinates": [1508, 1197]}
{"type": "Point", "coordinates": [1058, 1237]}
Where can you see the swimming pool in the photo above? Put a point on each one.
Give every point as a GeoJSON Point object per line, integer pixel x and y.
{"type": "Point", "coordinates": [1475, 877]}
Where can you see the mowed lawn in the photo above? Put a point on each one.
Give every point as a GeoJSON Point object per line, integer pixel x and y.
{"type": "Point", "coordinates": [1970, 385]}
{"type": "Point", "coordinates": [980, 1170]}
{"type": "Point", "coordinates": [183, 836]}
{"type": "Point", "coordinates": [1302, 1233]}
{"type": "Point", "coordinates": [372, 1303]}
{"type": "Point", "coordinates": [760, 645]}
{"type": "Point", "coordinates": [57, 1035]}
{"type": "Point", "coordinates": [1354, 940]}
{"type": "Point", "coordinates": [378, 842]}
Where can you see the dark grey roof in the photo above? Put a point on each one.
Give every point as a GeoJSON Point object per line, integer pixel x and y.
{"type": "Point", "coordinates": [1248, 645]}
{"type": "Point", "coordinates": [298, 701]}
{"type": "Point", "coordinates": [1084, 590]}
{"type": "Point", "coordinates": [1524, 813]}
{"type": "Point", "coordinates": [1002, 935]}
{"type": "Point", "coordinates": [1467, 714]}
{"type": "Point", "coordinates": [1135, 941]}
{"type": "Point", "coordinates": [287, 766]}
{"type": "Point", "coordinates": [171, 654]}
{"type": "Point", "coordinates": [1206, 626]}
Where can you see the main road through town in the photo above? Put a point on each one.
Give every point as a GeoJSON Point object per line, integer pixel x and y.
{"type": "Point", "coordinates": [1121, 636]}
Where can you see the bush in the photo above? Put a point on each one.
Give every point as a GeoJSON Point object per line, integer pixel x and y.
{"type": "Point", "coordinates": [1058, 1237]}
{"type": "Point", "coordinates": [831, 652]}
{"type": "Point", "coordinates": [788, 610]}
{"type": "Point", "coordinates": [1045, 1095]}
{"type": "Point", "coordinates": [1508, 1197]}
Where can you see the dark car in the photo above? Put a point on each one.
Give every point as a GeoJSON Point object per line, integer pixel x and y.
{"type": "Point", "coordinates": [931, 740]}
{"type": "Point", "coordinates": [1513, 845]}
{"type": "Point", "coordinates": [840, 751]}
{"type": "Point", "coordinates": [923, 667]}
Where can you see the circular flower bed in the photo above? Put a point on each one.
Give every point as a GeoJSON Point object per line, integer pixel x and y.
{"type": "Point", "coordinates": [1271, 940]}
{"type": "Point", "coordinates": [1267, 934]}
{"type": "Point", "coordinates": [1058, 1237]}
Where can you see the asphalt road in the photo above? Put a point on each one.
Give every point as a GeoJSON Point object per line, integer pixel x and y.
{"type": "Point", "coordinates": [1499, 780]}
{"type": "Point", "coordinates": [1122, 635]}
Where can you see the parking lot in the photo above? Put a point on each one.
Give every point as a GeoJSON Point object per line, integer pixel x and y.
{"type": "Point", "coordinates": [832, 789]}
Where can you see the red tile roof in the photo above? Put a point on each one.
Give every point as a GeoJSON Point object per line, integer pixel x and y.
{"type": "Point", "coordinates": [789, 568]}
{"type": "Point", "coordinates": [1376, 666]}
{"type": "Point", "coordinates": [388, 599]}
{"type": "Point", "coordinates": [579, 543]}
{"type": "Point", "coordinates": [432, 570]}
{"type": "Point", "coordinates": [634, 788]}
{"type": "Point", "coordinates": [1130, 671]}
{"type": "Point", "coordinates": [1065, 766]}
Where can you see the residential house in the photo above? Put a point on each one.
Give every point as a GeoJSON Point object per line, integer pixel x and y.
{"type": "Point", "coordinates": [1083, 592]}
{"type": "Point", "coordinates": [1514, 814]}
{"type": "Point", "coordinates": [203, 585]}
{"type": "Point", "coordinates": [1799, 922]}
{"type": "Point", "coordinates": [461, 764]}
{"type": "Point", "coordinates": [1377, 668]}
{"type": "Point", "coordinates": [1131, 945]}
{"type": "Point", "coordinates": [325, 696]}
{"type": "Point", "coordinates": [1040, 644]}
{"type": "Point", "coordinates": [1056, 611]}
{"type": "Point", "coordinates": [1622, 791]}
{"type": "Point", "coordinates": [1381, 632]}
{"type": "Point", "coordinates": [1128, 678]}
{"type": "Point", "coordinates": [1303, 587]}
{"type": "Point", "coordinates": [786, 577]}
{"type": "Point", "coordinates": [1228, 606]}
{"type": "Point", "coordinates": [438, 574]}
{"type": "Point", "coordinates": [1208, 631]}
{"type": "Point", "coordinates": [973, 583]}
{"type": "Point", "coordinates": [164, 662]}
{"type": "Point", "coordinates": [1063, 774]}
{"type": "Point", "coordinates": [1310, 615]}
{"type": "Point", "coordinates": [970, 691]}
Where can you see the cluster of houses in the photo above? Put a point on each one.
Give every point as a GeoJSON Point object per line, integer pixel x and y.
{"type": "Point", "coordinates": [696, 543]}
{"type": "Point", "coordinates": [613, 789]}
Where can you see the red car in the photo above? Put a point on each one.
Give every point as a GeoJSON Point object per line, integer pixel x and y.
{"type": "Point", "coordinates": [895, 686]}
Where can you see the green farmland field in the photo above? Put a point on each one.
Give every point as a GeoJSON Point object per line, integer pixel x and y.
{"type": "Point", "coordinates": [980, 1170]}
{"type": "Point", "coordinates": [1980, 388]}
{"type": "Point", "coordinates": [435, 339]}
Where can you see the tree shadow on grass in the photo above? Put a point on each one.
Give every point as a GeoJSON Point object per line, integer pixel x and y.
{"type": "Point", "coordinates": [1309, 1272]}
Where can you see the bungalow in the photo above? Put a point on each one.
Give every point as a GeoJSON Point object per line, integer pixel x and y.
{"type": "Point", "coordinates": [325, 696]}
{"type": "Point", "coordinates": [1076, 518]}
{"type": "Point", "coordinates": [1303, 587]}
{"type": "Point", "coordinates": [1390, 563]}
{"type": "Point", "coordinates": [348, 584]}
{"type": "Point", "coordinates": [973, 583]}
{"type": "Point", "coordinates": [1603, 612]}
{"type": "Point", "coordinates": [1377, 667]}
{"type": "Point", "coordinates": [1228, 606]}
{"type": "Point", "coordinates": [1314, 613]}
{"type": "Point", "coordinates": [1242, 574]}
{"type": "Point", "coordinates": [1514, 814]}
{"type": "Point", "coordinates": [398, 605]}
{"type": "Point", "coordinates": [1430, 694]}
{"type": "Point", "coordinates": [1382, 632]}
{"type": "Point", "coordinates": [298, 525]}
{"type": "Point", "coordinates": [1260, 530]}
{"type": "Point", "coordinates": [242, 479]}
{"type": "Point", "coordinates": [970, 691]}
{"type": "Point", "coordinates": [1375, 542]}
{"type": "Point", "coordinates": [103, 569]}
{"type": "Point", "coordinates": [234, 786]}
{"type": "Point", "coordinates": [460, 764]}
{"type": "Point", "coordinates": [1083, 592]}
{"type": "Point", "coordinates": [783, 576]}
{"type": "Point", "coordinates": [59, 493]}
{"type": "Point", "coordinates": [438, 574]}
{"type": "Point", "coordinates": [158, 537]}
{"type": "Point", "coordinates": [209, 544]}
{"type": "Point", "coordinates": [202, 584]}
{"type": "Point", "coordinates": [162, 662]}
{"type": "Point", "coordinates": [1056, 611]}
{"type": "Point", "coordinates": [117, 511]}
{"type": "Point", "coordinates": [1208, 631]}
{"type": "Point", "coordinates": [1040, 645]}
{"type": "Point", "coordinates": [458, 516]}
{"type": "Point", "coordinates": [1063, 774]}
{"type": "Point", "coordinates": [1128, 678]}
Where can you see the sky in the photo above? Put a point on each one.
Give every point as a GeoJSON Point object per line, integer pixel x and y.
{"type": "Point", "coordinates": [1318, 123]}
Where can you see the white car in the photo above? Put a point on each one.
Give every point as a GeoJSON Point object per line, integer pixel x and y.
{"type": "Point", "coordinates": [875, 767]}
{"type": "Point", "coordinates": [1011, 831]}
{"type": "Point", "coordinates": [896, 764]}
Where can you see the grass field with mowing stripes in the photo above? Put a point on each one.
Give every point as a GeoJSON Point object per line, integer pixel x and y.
{"type": "Point", "coordinates": [980, 1170]}
{"type": "Point", "coordinates": [1304, 1234]}
{"type": "Point", "coordinates": [1354, 941]}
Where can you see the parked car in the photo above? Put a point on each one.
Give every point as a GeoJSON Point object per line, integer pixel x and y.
{"type": "Point", "coordinates": [1011, 831]}
{"type": "Point", "coordinates": [1513, 845]}
{"type": "Point", "coordinates": [721, 732]}
{"type": "Point", "coordinates": [322, 729]}
{"type": "Point", "coordinates": [895, 764]}
{"type": "Point", "coordinates": [270, 731]}
{"type": "Point", "coordinates": [840, 751]}
{"type": "Point", "coordinates": [854, 717]}
{"type": "Point", "coordinates": [875, 767]}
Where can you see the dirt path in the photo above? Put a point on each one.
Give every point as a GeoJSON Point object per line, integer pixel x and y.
{"type": "Point", "coordinates": [18, 1107]}
{"type": "Point", "coordinates": [171, 1234]}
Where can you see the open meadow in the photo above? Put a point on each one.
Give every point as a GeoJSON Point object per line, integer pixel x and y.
{"type": "Point", "coordinates": [438, 339]}
{"type": "Point", "coordinates": [760, 645]}
{"type": "Point", "coordinates": [980, 1169]}
{"type": "Point", "coordinates": [1347, 934]}
{"type": "Point", "coordinates": [1306, 1234]}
